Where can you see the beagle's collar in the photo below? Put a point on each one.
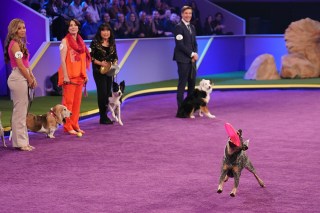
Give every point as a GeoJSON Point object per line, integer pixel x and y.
{"type": "Point", "coordinates": [54, 114]}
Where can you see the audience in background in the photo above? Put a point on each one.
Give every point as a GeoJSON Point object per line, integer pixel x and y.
{"type": "Point", "coordinates": [133, 25]}
{"type": "Point", "coordinates": [208, 26]}
{"type": "Point", "coordinates": [120, 27]}
{"type": "Point", "coordinates": [218, 26]}
{"type": "Point", "coordinates": [89, 28]}
{"type": "Point", "coordinates": [89, 6]}
{"type": "Point", "coordinates": [76, 10]}
{"type": "Point", "coordinates": [128, 18]}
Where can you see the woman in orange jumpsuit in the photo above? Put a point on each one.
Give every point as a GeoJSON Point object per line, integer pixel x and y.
{"type": "Point", "coordinates": [75, 59]}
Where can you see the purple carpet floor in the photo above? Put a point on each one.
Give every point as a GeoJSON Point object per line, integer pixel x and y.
{"type": "Point", "coordinates": [159, 163]}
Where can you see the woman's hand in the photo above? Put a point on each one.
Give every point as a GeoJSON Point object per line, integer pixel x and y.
{"type": "Point", "coordinates": [66, 80]}
{"type": "Point", "coordinates": [32, 83]}
{"type": "Point", "coordinates": [104, 63]}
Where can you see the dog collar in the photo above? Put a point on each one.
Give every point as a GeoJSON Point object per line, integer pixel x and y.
{"type": "Point", "coordinates": [54, 114]}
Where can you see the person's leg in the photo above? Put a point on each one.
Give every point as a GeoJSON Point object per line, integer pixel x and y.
{"type": "Point", "coordinates": [102, 94]}
{"type": "Point", "coordinates": [19, 96]}
{"type": "Point", "coordinates": [192, 78]}
{"type": "Point", "coordinates": [183, 78]}
{"type": "Point", "coordinates": [68, 91]}
{"type": "Point", "coordinates": [77, 97]}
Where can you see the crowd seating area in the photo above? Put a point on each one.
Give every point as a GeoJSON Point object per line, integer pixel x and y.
{"type": "Point", "coordinates": [128, 18]}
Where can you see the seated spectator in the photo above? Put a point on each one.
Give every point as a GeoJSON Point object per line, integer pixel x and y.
{"type": "Point", "coordinates": [89, 28]}
{"type": "Point", "coordinates": [133, 25]}
{"type": "Point", "coordinates": [58, 10]}
{"type": "Point", "coordinates": [43, 12]}
{"type": "Point", "coordinates": [89, 6]}
{"type": "Point", "coordinates": [196, 20]}
{"type": "Point", "coordinates": [131, 7]}
{"type": "Point", "coordinates": [120, 27]}
{"type": "Point", "coordinates": [123, 7]}
{"type": "Point", "coordinates": [218, 26]}
{"type": "Point", "coordinates": [208, 26]}
{"type": "Point", "coordinates": [114, 9]}
{"type": "Point", "coordinates": [76, 11]}
{"type": "Point", "coordinates": [138, 6]}
{"type": "Point", "coordinates": [145, 29]}
{"type": "Point", "coordinates": [102, 6]}
{"type": "Point", "coordinates": [157, 25]}
{"type": "Point", "coordinates": [160, 7]}
{"type": "Point", "coordinates": [170, 25]}
{"type": "Point", "coordinates": [146, 6]}
{"type": "Point", "coordinates": [107, 20]}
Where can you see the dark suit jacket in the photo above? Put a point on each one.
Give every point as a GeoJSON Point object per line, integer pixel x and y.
{"type": "Point", "coordinates": [185, 43]}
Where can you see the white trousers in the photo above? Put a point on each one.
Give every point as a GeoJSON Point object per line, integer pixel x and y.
{"type": "Point", "coordinates": [18, 86]}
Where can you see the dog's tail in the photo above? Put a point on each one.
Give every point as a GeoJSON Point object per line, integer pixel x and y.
{"type": "Point", "coordinates": [10, 136]}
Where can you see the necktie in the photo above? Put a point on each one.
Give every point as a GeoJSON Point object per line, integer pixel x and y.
{"type": "Point", "coordinates": [188, 26]}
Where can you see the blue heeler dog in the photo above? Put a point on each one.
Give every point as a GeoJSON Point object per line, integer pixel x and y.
{"type": "Point", "coordinates": [234, 160]}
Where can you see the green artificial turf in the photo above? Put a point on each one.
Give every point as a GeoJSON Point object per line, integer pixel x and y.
{"type": "Point", "coordinates": [42, 105]}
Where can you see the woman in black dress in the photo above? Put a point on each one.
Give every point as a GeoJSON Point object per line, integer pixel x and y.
{"type": "Point", "coordinates": [103, 53]}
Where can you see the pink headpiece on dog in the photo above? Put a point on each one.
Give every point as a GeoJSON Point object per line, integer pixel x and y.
{"type": "Point", "coordinates": [234, 137]}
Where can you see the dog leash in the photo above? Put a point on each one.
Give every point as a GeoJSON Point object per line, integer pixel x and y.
{"type": "Point", "coordinates": [85, 93]}
{"type": "Point", "coordinates": [31, 94]}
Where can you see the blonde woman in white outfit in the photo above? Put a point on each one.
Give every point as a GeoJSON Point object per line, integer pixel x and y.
{"type": "Point", "coordinates": [19, 81]}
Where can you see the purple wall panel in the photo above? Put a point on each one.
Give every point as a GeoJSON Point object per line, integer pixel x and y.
{"type": "Point", "coordinates": [3, 74]}
{"type": "Point", "coordinates": [35, 23]}
{"type": "Point", "coordinates": [262, 44]}
{"type": "Point", "coordinates": [225, 54]}
{"type": "Point", "coordinates": [37, 32]}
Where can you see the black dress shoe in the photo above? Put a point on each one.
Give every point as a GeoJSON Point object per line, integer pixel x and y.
{"type": "Point", "coordinates": [107, 121]}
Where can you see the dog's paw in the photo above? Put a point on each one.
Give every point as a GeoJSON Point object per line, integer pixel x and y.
{"type": "Point", "coordinates": [233, 192]}
{"type": "Point", "coordinates": [120, 122]}
{"type": "Point", "coordinates": [192, 116]}
{"type": "Point", "coordinates": [211, 116]}
{"type": "Point", "coordinates": [200, 114]}
{"type": "Point", "coordinates": [219, 191]}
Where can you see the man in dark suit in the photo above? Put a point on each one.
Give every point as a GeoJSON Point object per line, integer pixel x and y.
{"type": "Point", "coordinates": [185, 53]}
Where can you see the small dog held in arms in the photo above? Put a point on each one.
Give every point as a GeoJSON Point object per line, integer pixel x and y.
{"type": "Point", "coordinates": [115, 101]}
{"type": "Point", "coordinates": [2, 133]}
{"type": "Point", "coordinates": [235, 160]}
{"type": "Point", "coordinates": [49, 122]}
{"type": "Point", "coordinates": [198, 100]}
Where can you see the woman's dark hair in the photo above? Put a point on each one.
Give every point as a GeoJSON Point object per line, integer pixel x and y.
{"type": "Point", "coordinates": [75, 21]}
{"type": "Point", "coordinates": [103, 27]}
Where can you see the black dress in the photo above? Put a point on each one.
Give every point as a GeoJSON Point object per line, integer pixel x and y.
{"type": "Point", "coordinates": [103, 82]}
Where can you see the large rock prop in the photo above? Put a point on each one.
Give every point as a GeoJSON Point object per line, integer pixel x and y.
{"type": "Point", "coordinates": [303, 44]}
{"type": "Point", "coordinates": [262, 68]}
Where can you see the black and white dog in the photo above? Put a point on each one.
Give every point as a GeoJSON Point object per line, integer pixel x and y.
{"type": "Point", "coordinates": [198, 100]}
{"type": "Point", "coordinates": [115, 101]}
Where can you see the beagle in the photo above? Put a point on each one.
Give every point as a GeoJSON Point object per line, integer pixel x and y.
{"type": "Point", "coordinates": [49, 122]}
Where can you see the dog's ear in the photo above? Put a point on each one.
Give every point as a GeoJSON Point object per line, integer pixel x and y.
{"type": "Point", "coordinates": [245, 145]}
{"type": "Point", "coordinates": [122, 86]}
{"type": "Point", "coordinates": [58, 112]}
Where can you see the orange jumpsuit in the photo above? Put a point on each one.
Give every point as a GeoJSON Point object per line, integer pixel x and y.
{"type": "Point", "coordinates": [72, 93]}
